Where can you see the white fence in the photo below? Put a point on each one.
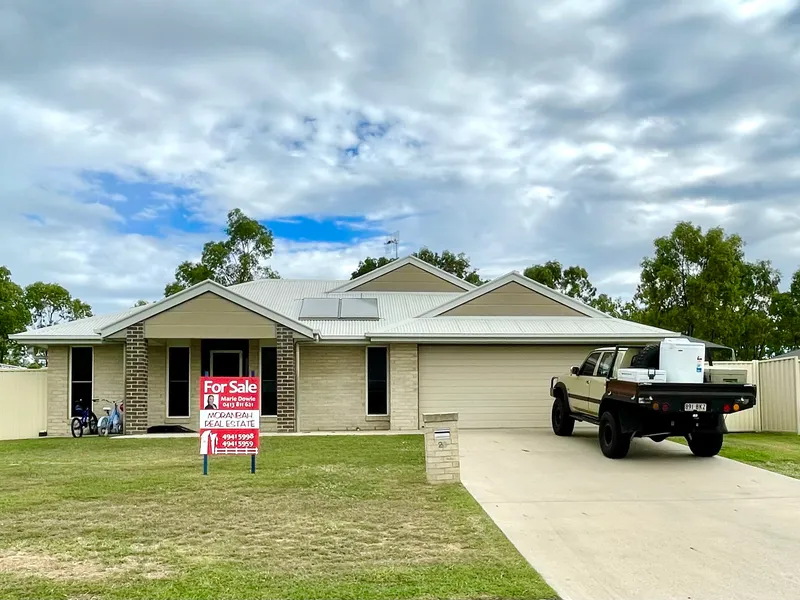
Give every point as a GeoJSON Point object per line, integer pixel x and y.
{"type": "Point", "coordinates": [23, 403]}
{"type": "Point", "coordinates": [778, 403]}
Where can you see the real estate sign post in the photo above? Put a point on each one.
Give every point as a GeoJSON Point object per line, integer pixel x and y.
{"type": "Point", "coordinates": [230, 414]}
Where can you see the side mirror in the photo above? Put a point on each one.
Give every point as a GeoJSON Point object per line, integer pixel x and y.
{"type": "Point", "coordinates": [575, 370]}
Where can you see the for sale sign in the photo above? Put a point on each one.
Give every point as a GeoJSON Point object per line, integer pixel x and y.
{"type": "Point", "coordinates": [229, 415]}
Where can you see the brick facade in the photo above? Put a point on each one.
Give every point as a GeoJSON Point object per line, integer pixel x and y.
{"type": "Point", "coordinates": [58, 391]}
{"type": "Point", "coordinates": [287, 397]}
{"type": "Point", "coordinates": [136, 379]}
{"type": "Point", "coordinates": [332, 390]}
{"type": "Point", "coordinates": [404, 387]}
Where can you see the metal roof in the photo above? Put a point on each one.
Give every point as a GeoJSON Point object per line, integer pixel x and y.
{"type": "Point", "coordinates": [549, 328]}
{"type": "Point", "coordinates": [398, 318]}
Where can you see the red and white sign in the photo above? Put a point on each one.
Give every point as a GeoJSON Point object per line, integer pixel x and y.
{"type": "Point", "coordinates": [230, 414]}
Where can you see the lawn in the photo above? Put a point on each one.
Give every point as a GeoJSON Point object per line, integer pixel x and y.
{"type": "Point", "coordinates": [324, 517]}
{"type": "Point", "coordinates": [779, 452]}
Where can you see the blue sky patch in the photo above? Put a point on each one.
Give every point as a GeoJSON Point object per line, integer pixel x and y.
{"type": "Point", "coordinates": [332, 229]}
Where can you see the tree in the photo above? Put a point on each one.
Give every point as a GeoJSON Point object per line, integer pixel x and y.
{"type": "Point", "coordinates": [369, 264]}
{"type": "Point", "coordinates": [700, 284]}
{"type": "Point", "coordinates": [572, 281]}
{"type": "Point", "coordinates": [50, 304]}
{"type": "Point", "coordinates": [237, 259]}
{"type": "Point", "coordinates": [140, 303]}
{"type": "Point", "coordinates": [785, 313]}
{"type": "Point", "coordinates": [455, 264]}
{"type": "Point", "coordinates": [14, 316]}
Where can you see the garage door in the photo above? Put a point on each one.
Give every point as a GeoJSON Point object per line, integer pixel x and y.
{"type": "Point", "coordinates": [493, 386]}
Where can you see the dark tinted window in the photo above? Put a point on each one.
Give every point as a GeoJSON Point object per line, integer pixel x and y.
{"type": "Point", "coordinates": [589, 364]}
{"type": "Point", "coordinates": [269, 381]}
{"type": "Point", "coordinates": [178, 384]}
{"type": "Point", "coordinates": [377, 393]}
{"type": "Point", "coordinates": [81, 376]}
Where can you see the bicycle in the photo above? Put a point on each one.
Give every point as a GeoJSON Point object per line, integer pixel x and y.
{"type": "Point", "coordinates": [86, 420]}
{"type": "Point", "coordinates": [111, 422]}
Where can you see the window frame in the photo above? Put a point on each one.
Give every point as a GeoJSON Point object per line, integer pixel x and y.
{"type": "Point", "coordinates": [609, 353]}
{"type": "Point", "coordinates": [211, 354]}
{"type": "Point", "coordinates": [366, 383]}
{"type": "Point", "coordinates": [594, 369]}
{"type": "Point", "coordinates": [261, 380]}
{"type": "Point", "coordinates": [69, 395]}
{"type": "Point", "coordinates": [189, 387]}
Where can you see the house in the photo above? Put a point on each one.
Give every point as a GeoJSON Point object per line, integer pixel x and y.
{"type": "Point", "coordinates": [371, 353]}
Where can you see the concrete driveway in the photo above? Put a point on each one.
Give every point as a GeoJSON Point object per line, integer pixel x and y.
{"type": "Point", "coordinates": [660, 524]}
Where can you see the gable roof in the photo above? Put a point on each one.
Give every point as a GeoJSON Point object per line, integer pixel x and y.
{"type": "Point", "coordinates": [204, 287]}
{"type": "Point", "coordinates": [515, 277]}
{"type": "Point", "coordinates": [402, 262]}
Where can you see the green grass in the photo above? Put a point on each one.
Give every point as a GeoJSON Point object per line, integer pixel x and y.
{"type": "Point", "coordinates": [324, 517]}
{"type": "Point", "coordinates": [779, 452]}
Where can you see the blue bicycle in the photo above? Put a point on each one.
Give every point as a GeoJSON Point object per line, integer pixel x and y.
{"type": "Point", "coordinates": [111, 422]}
{"type": "Point", "coordinates": [86, 420]}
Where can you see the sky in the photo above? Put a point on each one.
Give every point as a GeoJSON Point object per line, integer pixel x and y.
{"type": "Point", "coordinates": [516, 132]}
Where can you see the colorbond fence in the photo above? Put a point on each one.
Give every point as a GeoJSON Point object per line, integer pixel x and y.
{"type": "Point", "coordinates": [778, 404]}
{"type": "Point", "coordinates": [23, 403]}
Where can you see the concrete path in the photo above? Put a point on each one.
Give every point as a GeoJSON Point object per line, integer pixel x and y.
{"type": "Point", "coordinates": [658, 525]}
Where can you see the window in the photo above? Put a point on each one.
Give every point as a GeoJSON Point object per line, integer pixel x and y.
{"type": "Point", "coordinates": [81, 369]}
{"type": "Point", "coordinates": [178, 382]}
{"type": "Point", "coordinates": [269, 381]}
{"type": "Point", "coordinates": [377, 381]}
{"type": "Point", "coordinates": [587, 370]}
{"type": "Point", "coordinates": [605, 364]}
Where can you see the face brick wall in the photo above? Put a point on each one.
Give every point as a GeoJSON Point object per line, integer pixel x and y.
{"type": "Point", "coordinates": [136, 379]}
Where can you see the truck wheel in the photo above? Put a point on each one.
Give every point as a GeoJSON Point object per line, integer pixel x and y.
{"type": "Point", "coordinates": [562, 422]}
{"type": "Point", "coordinates": [613, 442]}
{"type": "Point", "coordinates": [705, 444]}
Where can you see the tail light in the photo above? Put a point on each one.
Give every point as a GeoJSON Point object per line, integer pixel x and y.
{"type": "Point", "coordinates": [665, 407]}
{"type": "Point", "coordinates": [726, 408]}
{"type": "Point", "coordinates": [735, 407]}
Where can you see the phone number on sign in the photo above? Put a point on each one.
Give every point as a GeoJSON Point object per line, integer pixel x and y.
{"type": "Point", "coordinates": [238, 436]}
{"type": "Point", "coordinates": [238, 444]}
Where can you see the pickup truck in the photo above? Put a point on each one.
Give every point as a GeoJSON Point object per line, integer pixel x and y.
{"type": "Point", "coordinates": [592, 392]}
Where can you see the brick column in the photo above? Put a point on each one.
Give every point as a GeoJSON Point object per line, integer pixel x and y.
{"type": "Point", "coordinates": [404, 386]}
{"type": "Point", "coordinates": [136, 379]}
{"type": "Point", "coordinates": [442, 462]}
{"type": "Point", "coordinates": [287, 420]}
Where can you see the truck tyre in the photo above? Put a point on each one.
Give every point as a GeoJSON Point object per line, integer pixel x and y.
{"type": "Point", "coordinates": [613, 442]}
{"type": "Point", "coordinates": [705, 444]}
{"type": "Point", "coordinates": [560, 419]}
{"type": "Point", "coordinates": [647, 358]}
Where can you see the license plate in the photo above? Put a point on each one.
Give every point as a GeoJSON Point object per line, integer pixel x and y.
{"type": "Point", "coordinates": [694, 407]}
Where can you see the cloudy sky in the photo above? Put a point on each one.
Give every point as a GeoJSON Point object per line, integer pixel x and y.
{"type": "Point", "coordinates": [516, 132]}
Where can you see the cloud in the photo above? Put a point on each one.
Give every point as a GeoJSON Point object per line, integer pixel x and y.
{"type": "Point", "coordinates": [517, 132]}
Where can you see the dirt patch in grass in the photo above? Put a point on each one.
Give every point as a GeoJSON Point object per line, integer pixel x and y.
{"type": "Point", "coordinates": [24, 563]}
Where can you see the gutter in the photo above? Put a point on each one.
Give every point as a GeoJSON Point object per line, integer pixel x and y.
{"type": "Point", "coordinates": [513, 339]}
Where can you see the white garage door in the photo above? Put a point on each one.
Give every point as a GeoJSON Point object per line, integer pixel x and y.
{"type": "Point", "coordinates": [493, 386]}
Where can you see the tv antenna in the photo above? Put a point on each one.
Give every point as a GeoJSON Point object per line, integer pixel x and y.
{"type": "Point", "coordinates": [394, 240]}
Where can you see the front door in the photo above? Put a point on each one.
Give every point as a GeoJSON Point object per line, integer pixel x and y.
{"type": "Point", "coordinates": [226, 363]}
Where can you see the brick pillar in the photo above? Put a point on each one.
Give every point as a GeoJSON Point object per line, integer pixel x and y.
{"type": "Point", "coordinates": [136, 379]}
{"type": "Point", "coordinates": [404, 386]}
{"type": "Point", "coordinates": [442, 462]}
{"type": "Point", "coordinates": [287, 420]}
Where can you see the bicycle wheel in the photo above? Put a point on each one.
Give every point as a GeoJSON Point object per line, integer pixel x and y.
{"type": "Point", "coordinates": [93, 424]}
{"type": "Point", "coordinates": [76, 427]}
{"type": "Point", "coordinates": [103, 425]}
